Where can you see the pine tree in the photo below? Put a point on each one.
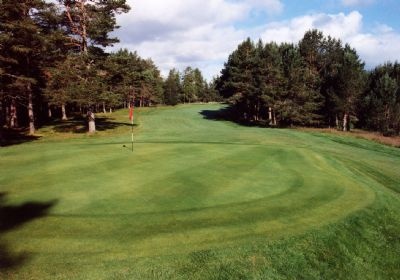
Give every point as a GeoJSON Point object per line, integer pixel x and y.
{"type": "Point", "coordinates": [380, 105]}
{"type": "Point", "coordinates": [91, 22]}
{"type": "Point", "coordinates": [200, 85]}
{"type": "Point", "coordinates": [269, 81]}
{"type": "Point", "coordinates": [236, 81]}
{"type": "Point", "coordinates": [22, 53]}
{"type": "Point", "coordinates": [297, 103]}
{"type": "Point", "coordinates": [331, 60]}
{"type": "Point", "coordinates": [172, 87]}
{"type": "Point", "coordinates": [351, 78]}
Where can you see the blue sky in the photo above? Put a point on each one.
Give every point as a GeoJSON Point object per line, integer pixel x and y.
{"type": "Point", "coordinates": [383, 11]}
{"type": "Point", "coordinates": [202, 33]}
{"type": "Point", "coordinates": [373, 11]}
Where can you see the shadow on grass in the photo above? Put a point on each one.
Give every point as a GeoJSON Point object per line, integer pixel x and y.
{"type": "Point", "coordinates": [78, 124]}
{"type": "Point", "coordinates": [12, 217]}
{"type": "Point", "coordinates": [12, 137]}
{"type": "Point", "coordinates": [223, 114]}
{"type": "Point", "coordinates": [230, 114]}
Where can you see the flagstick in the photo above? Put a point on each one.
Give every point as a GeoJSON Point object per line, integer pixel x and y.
{"type": "Point", "coordinates": [132, 132]}
{"type": "Point", "coordinates": [131, 112]}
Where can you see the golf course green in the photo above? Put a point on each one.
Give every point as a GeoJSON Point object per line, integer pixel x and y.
{"type": "Point", "coordinates": [198, 198]}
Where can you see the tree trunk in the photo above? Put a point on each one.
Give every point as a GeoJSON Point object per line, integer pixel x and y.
{"type": "Point", "coordinates": [387, 118]}
{"type": "Point", "coordinates": [345, 122]}
{"type": "Point", "coordinates": [31, 115]}
{"type": "Point", "coordinates": [64, 112]}
{"type": "Point", "coordinates": [274, 118]}
{"type": "Point", "coordinates": [110, 110]}
{"type": "Point", "coordinates": [1, 122]}
{"type": "Point", "coordinates": [91, 122]}
{"type": "Point", "coordinates": [1, 135]}
{"type": "Point", "coordinates": [337, 122]}
{"type": "Point", "coordinates": [13, 114]}
{"type": "Point", "coordinates": [49, 113]}
{"type": "Point", "coordinates": [270, 115]}
{"type": "Point", "coordinates": [7, 115]}
{"type": "Point", "coordinates": [83, 25]}
{"type": "Point", "coordinates": [104, 108]}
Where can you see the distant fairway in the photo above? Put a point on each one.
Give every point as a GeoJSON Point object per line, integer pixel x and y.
{"type": "Point", "coordinates": [202, 199]}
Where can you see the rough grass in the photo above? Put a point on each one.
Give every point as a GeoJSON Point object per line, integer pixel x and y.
{"type": "Point", "coordinates": [393, 141]}
{"type": "Point", "coordinates": [198, 199]}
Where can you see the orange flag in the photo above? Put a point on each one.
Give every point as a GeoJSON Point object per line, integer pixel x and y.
{"type": "Point", "coordinates": [131, 113]}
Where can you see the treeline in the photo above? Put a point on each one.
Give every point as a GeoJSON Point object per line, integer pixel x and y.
{"type": "Point", "coordinates": [188, 87]}
{"type": "Point", "coordinates": [380, 103]}
{"type": "Point", "coordinates": [317, 82]}
{"type": "Point", "coordinates": [53, 64]}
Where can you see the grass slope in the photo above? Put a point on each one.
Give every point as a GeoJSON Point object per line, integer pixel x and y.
{"type": "Point", "coordinates": [198, 199]}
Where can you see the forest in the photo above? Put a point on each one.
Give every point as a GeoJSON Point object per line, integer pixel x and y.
{"type": "Point", "coordinates": [54, 64]}
{"type": "Point", "coordinates": [318, 82]}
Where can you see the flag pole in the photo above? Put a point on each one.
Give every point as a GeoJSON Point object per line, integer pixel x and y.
{"type": "Point", "coordinates": [132, 131]}
{"type": "Point", "coordinates": [131, 117]}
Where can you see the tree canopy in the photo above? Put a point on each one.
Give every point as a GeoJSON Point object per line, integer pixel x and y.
{"type": "Point", "coordinates": [53, 64]}
{"type": "Point", "coordinates": [317, 82]}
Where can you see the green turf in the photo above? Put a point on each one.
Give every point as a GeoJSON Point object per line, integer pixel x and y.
{"type": "Point", "coordinates": [198, 199]}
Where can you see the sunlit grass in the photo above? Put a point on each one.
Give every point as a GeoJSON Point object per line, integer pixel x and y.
{"type": "Point", "coordinates": [202, 199]}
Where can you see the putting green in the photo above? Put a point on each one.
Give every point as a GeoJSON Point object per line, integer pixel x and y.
{"type": "Point", "coordinates": [190, 184]}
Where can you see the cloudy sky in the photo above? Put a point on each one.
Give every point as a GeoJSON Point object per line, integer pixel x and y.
{"type": "Point", "coordinates": [202, 33]}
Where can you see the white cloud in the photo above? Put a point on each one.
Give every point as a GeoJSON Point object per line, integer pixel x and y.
{"type": "Point", "coordinates": [350, 3]}
{"type": "Point", "coordinates": [375, 46]}
{"type": "Point", "coordinates": [202, 33]}
{"type": "Point", "coordinates": [179, 33]}
{"type": "Point", "coordinates": [338, 26]}
{"type": "Point", "coordinates": [382, 28]}
{"type": "Point", "coordinates": [270, 6]}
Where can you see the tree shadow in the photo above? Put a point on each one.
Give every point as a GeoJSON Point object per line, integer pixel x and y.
{"type": "Point", "coordinates": [104, 123]}
{"type": "Point", "coordinates": [230, 114]}
{"type": "Point", "coordinates": [78, 124]}
{"type": "Point", "coordinates": [13, 217]}
{"type": "Point", "coordinates": [222, 114]}
{"type": "Point", "coordinates": [12, 137]}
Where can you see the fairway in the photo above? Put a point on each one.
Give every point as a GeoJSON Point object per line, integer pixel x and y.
{"type": "Point", "coordinates": [199, 198]}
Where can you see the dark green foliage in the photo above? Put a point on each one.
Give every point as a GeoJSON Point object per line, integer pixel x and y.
{"type": "Point", "coordinates": [24, 41]}
{"type": "Point", "coordinates": [37, 45]}
{"type": "Point", "coordinates": [270, 83]}
{"type": "Point", "coordinates": [236, 82]}
{"type": "Point", "coordinates": [52, 57]}
{"type": "Point", "coordinates": [172, 88]}
{"type": "Point", "coordinates": [380, 105]}
{"type": "Point", "coordinates": [350, 84]}
{"type": "Point", "coordinates": [89, 23]}
{"type": "Point", "coordinates": [316, 83]}
{"type": "Point", "coordinates": [298, 103]}
{"type": "Point", "coordinates": [103, 21]}
{"type": "Point", "coordinates": [192, 87]}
